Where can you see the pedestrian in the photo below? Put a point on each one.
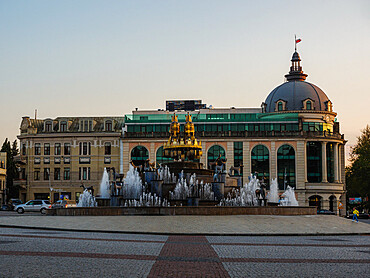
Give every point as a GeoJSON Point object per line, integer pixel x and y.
{"type": "Point", "coordinates": [355, 215]}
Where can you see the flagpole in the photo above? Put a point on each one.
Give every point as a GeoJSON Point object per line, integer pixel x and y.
{"type": "Point", "coordinates": [295, 43]}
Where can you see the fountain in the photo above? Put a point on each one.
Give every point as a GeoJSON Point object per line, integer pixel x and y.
{"type": "Point", "coordinates": [273, 196]}
{"type": "Point", "coordinates": [132, 186]}
{"type": "Point", "coordinates": [86, 199]}
{"type": "Point", "coordinates": [246, 196]}
{"type": "Point", "coordinates": [289, 198]}
{"type": "Point", "coordinates": [104, 185]}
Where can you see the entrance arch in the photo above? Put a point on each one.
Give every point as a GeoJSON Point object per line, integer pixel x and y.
{"type": "Point", "coordinates": [286, 166]}
{"type": "Point", "coordinates": [261, 163]}
{"type": "Point", "coordinates": [139, 155]}
{"type": "Point", "coordinates": [213, 153]}
{"type": "Point", "coordinates": [315, 201]}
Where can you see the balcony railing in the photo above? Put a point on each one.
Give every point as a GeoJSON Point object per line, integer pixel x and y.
{"type": "Point", "coordinates": [241, 134]}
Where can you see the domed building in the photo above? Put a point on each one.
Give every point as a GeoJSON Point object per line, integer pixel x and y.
{"type": "Point", "coordinates": [293, 137]}
{"type": "Point", "coordinates": [297, 94]}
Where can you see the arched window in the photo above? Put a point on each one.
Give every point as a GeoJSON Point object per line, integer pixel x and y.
{"type": "Point", "coordinates": [63, 126]}
{"type": "Point", "coordinates": [286, 166]}
{"type": "Point", "coordinates": [280, 106]}
{"type": "Point", "coordinates": [314, 169]}
{"type": "Point", "coordinates": [108, 125]}
{"type": "Point", "coordinates": [48, 126]}
{"type": "Point", "coordinates": [315, 201]}
{"type": "Point", "coordinates": [213, 154]}
{"type": "Point", "coordinates": [308, 105]}
{"type": "Point", "coordinates": [160, 157]}
{"type": "Point", "coordinates": [139, 155]}
{"type": "Point", "coordinates": [330, 161]}
{"type": "Point", "coordinates": [261, 163]}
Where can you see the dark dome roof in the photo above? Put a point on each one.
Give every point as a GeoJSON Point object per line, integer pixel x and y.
{"type": "Point", "coordinates": [294, 93]}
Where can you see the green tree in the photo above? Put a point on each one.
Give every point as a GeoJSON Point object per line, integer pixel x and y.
{"type": "Point", "coordinates": [11, 169]}
{"type": "Point", "coordinates": [358, 173]}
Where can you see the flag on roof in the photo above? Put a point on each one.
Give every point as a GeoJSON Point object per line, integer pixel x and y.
{"type": "Point", "coordinates": [298, 40]}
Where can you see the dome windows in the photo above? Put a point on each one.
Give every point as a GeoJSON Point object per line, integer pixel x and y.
{"type": "Point", "coordinates": [308, 104]}
{"type": "Point", "coordinates": [280, 105]}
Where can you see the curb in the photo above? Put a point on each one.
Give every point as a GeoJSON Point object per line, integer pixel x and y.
{"type": "Point", "coordinates": [184, 234]}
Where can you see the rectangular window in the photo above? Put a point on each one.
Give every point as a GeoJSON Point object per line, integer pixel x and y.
{"type": "Point", "coordinates": [108, 148]}
{"type": "Point", "coordinates": [23, 149]}
{"type": "Point", "coordinates": [57, 149]}
{"type": "Point", "coordinates": [46, 149]}
{"type": "Point", "coordinates": [46, 174]}
{"type": "Point", "coordinates": [84, 173]}
{"type": "Point", "coordinates": [36, 174]}
{"type": "Point", "coordinates": [57, 174]}
{"type": "Point", "coordinates": [90, 126]}
{"type": "Point", "coordinates": [37, 149]}
{"type": "Point", "coordinates": [67, 149]}
{"type": "Point", "coordinates": [85, 148]}
{"type": "Point", "coordinates": [238, 156]}
{"type": "Point", "coordinates": [67, 174]}
{"type": "Point", "coordinates": [86, 125]}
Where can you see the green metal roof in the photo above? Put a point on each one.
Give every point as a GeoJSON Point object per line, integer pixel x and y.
{"type": "Point", "coordinates": [235, 117]}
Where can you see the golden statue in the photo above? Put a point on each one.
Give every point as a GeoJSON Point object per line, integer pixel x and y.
{"type": "Point", "coordinates": [182, 148]}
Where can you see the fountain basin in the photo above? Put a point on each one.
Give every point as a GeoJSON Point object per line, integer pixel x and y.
{"type": "Point", "coordinates": [200, 210]}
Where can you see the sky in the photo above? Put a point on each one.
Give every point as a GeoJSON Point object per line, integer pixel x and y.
{"type": "Point", "coordinates": [85, 58]}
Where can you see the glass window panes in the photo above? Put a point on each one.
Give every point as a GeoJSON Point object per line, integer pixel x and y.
{"type": "Point", "coordinates": [160, 157]}
{"type": "Point", "coordinates": [214, 152]}
{"type": "Point", "coordinates": [286, 166]}
{"type": "Point", "coordinates": [314, 170]}
{"type": "Point", "coordinates": [260, 163]}
{"type": "Point", "coordinates": [139, 155]}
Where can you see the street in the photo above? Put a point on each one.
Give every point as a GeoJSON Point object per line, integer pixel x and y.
{"type": "Point", "coordinates": [40, 253]}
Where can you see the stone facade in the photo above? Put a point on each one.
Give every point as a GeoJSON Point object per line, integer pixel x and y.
{"type": "Point", "coordinates": [55, 162]}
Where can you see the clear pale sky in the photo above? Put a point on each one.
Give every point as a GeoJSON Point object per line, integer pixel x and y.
{"type": "Point", "coordinates": [81, 58]}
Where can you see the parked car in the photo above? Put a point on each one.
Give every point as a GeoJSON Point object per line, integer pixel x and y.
{"type": "Point", "coordinates": [33, 205]}
{"type": "Point", "coordinates": [326, 212]}
{"type": "Point", "coordinates": [14, 202]}
{"type": "Point", "coordinates": [6, 207]}
{"type": "Point", "coordinates": [63, 204]}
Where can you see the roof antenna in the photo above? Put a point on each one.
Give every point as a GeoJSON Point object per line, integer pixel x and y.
{"type": "Point", "coordinates": [35, 114]}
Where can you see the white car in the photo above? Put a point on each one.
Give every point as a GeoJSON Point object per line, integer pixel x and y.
{"type": "Point", "coordinates": [33, 205]}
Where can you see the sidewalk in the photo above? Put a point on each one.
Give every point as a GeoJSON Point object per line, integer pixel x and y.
{"type": "Point", "coordinates": [196, 225]}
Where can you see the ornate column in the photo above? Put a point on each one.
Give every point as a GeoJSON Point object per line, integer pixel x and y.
{"type": "Point", "coordinates": [229, 155]}
{"type": "Point", "coordinates": [300, 163]}
{"type": "Point", "coordinates": [336, 163]}
{"type": "Point", "coordinates": [324, 166]}
{"type": "Point", "coordinates": [152, 152]}
{"type": "Point", "coordinates": [203, 158]}
{"type": "Point", "coordinates": [246, 161]}
{"type": "Point", "coordinates": [273, 162]}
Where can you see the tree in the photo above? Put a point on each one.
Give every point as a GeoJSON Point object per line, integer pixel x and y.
{"type": "Point", "coordinates": [358, 173]}
{"type": "Point", "coordinates": [11, 168]}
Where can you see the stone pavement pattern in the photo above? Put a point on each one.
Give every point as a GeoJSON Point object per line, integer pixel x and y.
{"type": "Point", "coordinates": [40, 253]}
{"type": "Point", "coordinates": [206, 225]}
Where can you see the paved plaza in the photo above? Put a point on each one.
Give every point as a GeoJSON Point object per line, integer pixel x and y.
{"type": "Point", "coordinates": [192, 225]}
{"type": "Point", "coordinates": [40, 253]}
{"type": "Point", "coordinates": [183, 246]}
